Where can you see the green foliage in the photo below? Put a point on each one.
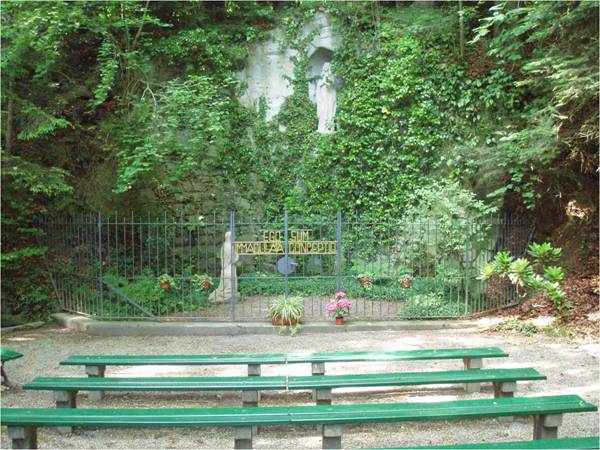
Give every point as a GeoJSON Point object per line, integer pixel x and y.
{"type": "Point", "coordinates": [392, 290]}
{"type": "Point", "coordinates": [134, 106]}
{"type": "Point", "coordinates": [286, 310]}
{"type": "Point", "coordinates": [147, 291]}
{"type": "Point", "coordinates": [551, 49]}
{"type": "Point", "coordinates": [533, 277]}
{"type": "Point", "coordinates": [544, 254]}
{"type": "Point", "coordinates": [430, 305]}
{"type": "Point", "coordinates": [377, 271]}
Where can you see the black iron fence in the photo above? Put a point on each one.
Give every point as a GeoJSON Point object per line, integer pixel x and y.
{"type": "Point", "coordinates": [167, 267]}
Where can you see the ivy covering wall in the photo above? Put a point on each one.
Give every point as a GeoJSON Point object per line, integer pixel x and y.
{"type": "Point", "coordinates": [133, 106]}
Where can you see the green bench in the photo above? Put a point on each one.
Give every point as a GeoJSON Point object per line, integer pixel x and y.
{"type": "Point", "coordinates": [65, 389]}
{"type": "Point", "coordinates": [7, 355]}
{"type": "Point", "coordinates": [95, 365]}
{"type": "Point", "coordinates": [22, 423]}
{"type": "Point", "coordinates": [582, 443]}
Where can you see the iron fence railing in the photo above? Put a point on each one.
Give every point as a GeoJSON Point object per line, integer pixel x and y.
{"type": "Point", "coordinates": [111, 267]}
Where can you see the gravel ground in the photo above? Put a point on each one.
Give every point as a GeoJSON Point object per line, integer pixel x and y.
{"type": "Point", "coordinates": [571, 368]}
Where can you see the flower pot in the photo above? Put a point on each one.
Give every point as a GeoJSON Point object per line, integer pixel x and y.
{"type": "Point", "coordinates": [278, 322]}
{"type": "Point", "coordinates": [406, 283]}
{"type": "Point", "coordinates": [365, 282]}
{"type": "Point", "coordinates": [339, 320]}
{"type": "Point", "coordinates": [165, 284]}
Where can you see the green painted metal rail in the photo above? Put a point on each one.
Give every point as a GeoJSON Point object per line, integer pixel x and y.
{"type": "Point", "coordinates": [282, 358]}
{"type": "Point", "coordinates": [282, 382]}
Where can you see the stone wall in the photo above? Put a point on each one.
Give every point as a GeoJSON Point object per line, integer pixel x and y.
{"type": "Point", "coordinates": [270, 67]}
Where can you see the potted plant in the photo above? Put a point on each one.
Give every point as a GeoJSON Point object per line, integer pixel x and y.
{"type": "Point", "coordinates": [406, 280]}
{"type": "Point", "coordinates": [202, 281]}
{"type": "Point", "coordinates": [286, 311]}
{"type": "Point", "coordinates": [339, 307]}
{"type": "Point", "coordinates": [365, 279]}
{"type": "Point", "coordinates": [166, 281]}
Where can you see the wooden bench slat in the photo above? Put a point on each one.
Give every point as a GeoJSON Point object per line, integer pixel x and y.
{"type": "Point", "coordinates": [159, 384]}
{"type": "Point", "coordinates": [412, 378]}
{"type": "Point", "coordinates": [407, 355]}
{"type": "Point", "coordinates": [144, 417]}
{"type": "Point", "coordinates": [173, 360]}
{"type": "Point", "coordinates": [282, 382]}
{"type": "Point", "coordinates": [8, 354]}
{"type": "Point", "coordinates": [459, 409]}
{"type": "Point", "coordinates": [583, 443]}
{"type": "Point", "coordinates": [296, 415]}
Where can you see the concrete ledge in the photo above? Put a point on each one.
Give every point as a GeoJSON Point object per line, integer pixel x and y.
{"type": "Point", "coordinates": [23, 327]}
{"type": "Point", "coordinates": [133, 328]}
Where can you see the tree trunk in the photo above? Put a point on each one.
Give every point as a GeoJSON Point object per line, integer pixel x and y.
{"type": "Point", "coordinates": [8, 137]}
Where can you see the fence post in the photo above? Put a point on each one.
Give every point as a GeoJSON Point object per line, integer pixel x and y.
{"type": "Point", "coordinates": [285, 251]}
{"type": "Point", "coordinates": [100, 270]}
{"type": "Point", "coordinates": [234, 286]}
{"type": "Point", "coordinates": [467, 265]}
{"type": "Point", "coordinates": [339, 250]}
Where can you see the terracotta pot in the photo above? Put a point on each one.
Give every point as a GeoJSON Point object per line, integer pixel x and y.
{"type": "Point", "coordinates": [365, 282]}
{"type": "Point", "coordinates": [339, 320]}
{"type": "Point", "coordinates": [406, 283]}
{"type": "Point", "coordinates": [165, 285]}
{"type": "Point", "coordinates": [278, 322]}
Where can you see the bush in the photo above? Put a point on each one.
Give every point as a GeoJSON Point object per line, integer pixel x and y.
{"type": "Point", "coordinates": [534, 275]}
{"type": "Point", "coordinates": [430, 305]}
{"type": "Point", "coordinates": [183, 294]}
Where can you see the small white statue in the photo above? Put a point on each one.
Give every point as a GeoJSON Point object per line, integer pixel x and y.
{"type": "Point", "coordinates": [326, 97]}
{"type": "Point", "coordinates": [228, 279]}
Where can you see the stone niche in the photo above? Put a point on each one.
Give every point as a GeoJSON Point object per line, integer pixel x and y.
{"type": "Point", "coordinates": [269, 67]}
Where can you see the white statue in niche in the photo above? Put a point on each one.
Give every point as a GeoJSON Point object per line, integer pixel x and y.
{"type": "Point", "coordinates": [228, 279]}
{"type": "Point", "coordinates": [326, 97]}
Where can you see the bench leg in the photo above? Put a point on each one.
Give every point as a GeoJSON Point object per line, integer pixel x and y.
{"type": "Point", "coordinates": [332, 436]}
{"type": "Point", "coordinates": [472, 364]}
{"type": "Point", "coordinates": [254, 371]}
{"type": "Point", "coordinates": [545, 426]}
{"type": "Point", "coordinates": [316, 369]}
{"type": "Point", "coordinates": [4, 377]}
{"type": "Point", "coordinates": [249, 398]}
{"type": "Point", "coordinates": [243, 437]}
{"type": "Point", "coordinates": [65, 399]}
{"type": "Point", "coordinates": [23, 437]}
{"type": "Point", "coordinates": [95, 371]}
{"type": "Point", "coordinates": [323, 396]}
{"type": "Point", "coordinates": [505, 389]}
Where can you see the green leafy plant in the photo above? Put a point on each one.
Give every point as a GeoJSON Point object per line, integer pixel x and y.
{"type": "Point", "coordinates": [286, 311]}
{"type": "Point", "coordinates": [533, 276]}
{"type": "Point", "coordinates": [167, 281]}
{"type": "Point", "coordinates": [201, 281]}
{"type": "Point", "coordinates": [430, 305]}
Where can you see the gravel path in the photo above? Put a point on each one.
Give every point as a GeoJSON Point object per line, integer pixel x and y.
{"type": "Point", "coordinates": [571, 368]}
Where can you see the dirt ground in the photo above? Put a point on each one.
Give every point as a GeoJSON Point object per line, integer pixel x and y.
{"type": "Point", "coordinates": [571, 368]}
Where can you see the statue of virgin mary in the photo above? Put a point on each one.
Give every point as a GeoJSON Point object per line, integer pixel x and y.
{"type": "Point", "coordinates": [326, 97]}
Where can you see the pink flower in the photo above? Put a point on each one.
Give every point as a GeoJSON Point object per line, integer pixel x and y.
{"type": "Point", "coordinates": [340, 294]}
{"type": "Point", "coordinates": [344, 303]}
{"type": "Point", "coordinates": [331, 306]}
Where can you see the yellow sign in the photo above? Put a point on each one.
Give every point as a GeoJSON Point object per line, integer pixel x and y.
{"type": "Point", "coordinates": [299, 243]}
